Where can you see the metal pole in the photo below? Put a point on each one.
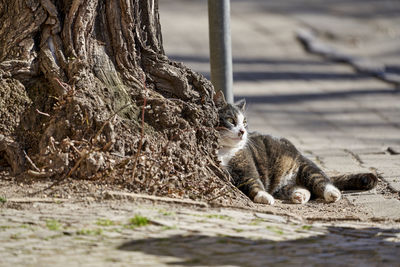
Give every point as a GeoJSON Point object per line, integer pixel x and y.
{"type": "Point", "coordinates": [220, 47]}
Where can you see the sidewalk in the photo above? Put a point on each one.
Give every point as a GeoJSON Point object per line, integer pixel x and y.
{"type": "Point", "coordinates": [344, 120]}
{"type": "Point", "coordinates": [110, 234]}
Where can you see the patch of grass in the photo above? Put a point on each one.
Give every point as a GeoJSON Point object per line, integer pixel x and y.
{"type": "Point", "coordinates": [137, 221]}
{"type": "Point", "coordinates": [238, 230]}
{"type": "Point", "coordinates": [275, 229]}
{"type": "Point", "coordinates": [89, 232]}
{"type": "Point", "coordinates": [3, 200]}
{"type": "Point", "coordinates": [166, 213]}
{"type": "Point", "coordinates": [306, 227]}
{"type": "Point", "coordinates": [53, 225]}
{"type": "Point", "coordinates": [255, 221]}
{"type": "Point", "coordinates": [117, 230]}
{"type": "Point", "coordinates": [5, 227]}
{"type": "Point", "coordinates": [27, 226]}
{"type": "Point", "coordinates": [105, 222]}
{"type": "Point", "coordinates": [219, 216]}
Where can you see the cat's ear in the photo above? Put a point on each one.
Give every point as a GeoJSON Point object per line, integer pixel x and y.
{"type": "Point", "coordinates": [241, 104]}
{"type": "Point", "coordinates": [219, 99]}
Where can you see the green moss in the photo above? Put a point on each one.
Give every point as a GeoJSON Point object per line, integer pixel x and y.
{"type": "Point", "coordinates": [27, 226]}
{"type": "Point", "coordinates": [137, 221]}
{"type": "Point", "coordinates": [255, 221]}
{"type": "Point", "coordinates": [3, 200]}
{"type": "Point", "coordinates": [53, 225]}
{"type": "Point", "coordinates": [116, 230]}
{"type": "Point", "coordinates": [5, 227]}
{"type": "Point", "coordinates": [89, 232]}
{"type": "Point", "coordinates": [275, 229]}
{"type": "Point", "coordinates": [105, 222]}
{"type": "Point", "coordinates": [219, 216]}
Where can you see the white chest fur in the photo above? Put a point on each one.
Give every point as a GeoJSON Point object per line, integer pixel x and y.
{"type": "Point", "coordinates": [226, 153]}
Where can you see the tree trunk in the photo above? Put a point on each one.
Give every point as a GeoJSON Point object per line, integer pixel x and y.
{"type": "Point", "coordinates": [87, 92]}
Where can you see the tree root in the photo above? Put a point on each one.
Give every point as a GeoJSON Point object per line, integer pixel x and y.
{"type": "Point", "coordinates": [13, 154]}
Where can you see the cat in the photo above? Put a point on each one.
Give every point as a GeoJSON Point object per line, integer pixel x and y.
{"type": "Point", "coordinates": [265, 167]}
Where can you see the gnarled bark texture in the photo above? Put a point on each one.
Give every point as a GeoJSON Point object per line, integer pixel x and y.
{"type": "Point", "coordinates": [87, 92]}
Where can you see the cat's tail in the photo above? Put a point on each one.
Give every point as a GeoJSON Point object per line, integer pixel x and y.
{"type": "Point", "coordinates": [358, 181]}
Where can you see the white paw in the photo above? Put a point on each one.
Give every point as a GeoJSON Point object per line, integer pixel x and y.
{"type": "Point", "coordinates": [300, 196]}
{"type": "Point", "coordinates": [264, 198]}
{"type": "Point", "coordinates": [331, 193]}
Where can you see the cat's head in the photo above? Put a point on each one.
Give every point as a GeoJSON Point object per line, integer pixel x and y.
{"type": "Point", "coordinates": [232, 125]}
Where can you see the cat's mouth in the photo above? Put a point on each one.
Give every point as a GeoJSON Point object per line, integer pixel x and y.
{"type": "Point", "coordinates": [234, 138]}
{"type": "Point", "coordinates": [227, 135]}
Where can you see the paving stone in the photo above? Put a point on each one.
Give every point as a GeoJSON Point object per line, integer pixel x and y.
{"type": "Point", "coordinates": [226, 237]}
{"type": "Point", "coordinates": [394, 182]}
{"type": "Point", "coordinates": [387, 165]}
{"type": "Point", "coordinates": [379, 205]}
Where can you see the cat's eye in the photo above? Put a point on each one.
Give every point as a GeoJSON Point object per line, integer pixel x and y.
{"type": "Point", "coordinates": [231, 121]}
{"type": "Point", "coordinates": [244, 122]}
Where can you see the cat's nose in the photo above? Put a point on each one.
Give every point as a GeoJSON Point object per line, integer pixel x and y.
{"type": "Point", "coordinates": [241, 133]}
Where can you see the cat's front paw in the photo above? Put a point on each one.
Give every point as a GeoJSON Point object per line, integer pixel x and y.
{"type": "Point", "coordinates": [331, 193]}
{"type": "Point", "coordinates": [300, 196]}
{"type": "Point", "coordinates": [264, 198]}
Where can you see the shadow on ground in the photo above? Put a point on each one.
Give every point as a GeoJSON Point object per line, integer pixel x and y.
{"type": "Point", "coordinates": [305, 97]}
{"type": "Point", "coordinates": [295, 75]}
{"type": "Point", "coordinates": [243, 60]}
{"type": "Point", "coordinates": [269, 74]}
{"type": "Point", "coordinates": [339, 246]}
{"type": "Point", "coordinates": [345, 8]}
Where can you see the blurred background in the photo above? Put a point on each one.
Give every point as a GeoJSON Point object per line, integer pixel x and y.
{"type": "Point", "coordinates": [326, 107]}
{"type": "Point", "coordinates": [265, 30]}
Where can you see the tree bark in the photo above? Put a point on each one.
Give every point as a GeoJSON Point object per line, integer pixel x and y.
{"type": "Point", "coordinates": [87, 92]}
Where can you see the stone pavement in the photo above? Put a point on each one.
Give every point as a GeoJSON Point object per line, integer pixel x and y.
{"type": "Point", "coordinates": [344, 120]}
{"type": "Point", "coordinates": [123, 233]}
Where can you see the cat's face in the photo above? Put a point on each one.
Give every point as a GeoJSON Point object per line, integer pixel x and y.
{"type": "Point", "coordinates": [232, 126]}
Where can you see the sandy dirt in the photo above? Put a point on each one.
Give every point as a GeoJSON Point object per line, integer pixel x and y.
{"type": "Point", "coordinates": [81, 190]}
{"type": "Point", "coordinates": [83, 223]}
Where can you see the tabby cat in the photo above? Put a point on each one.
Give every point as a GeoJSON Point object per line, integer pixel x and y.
{"type": "Point", "coordinates": [264, 167]}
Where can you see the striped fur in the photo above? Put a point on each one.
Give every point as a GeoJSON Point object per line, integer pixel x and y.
{"type": "Point", "coordinates": [274, 166]}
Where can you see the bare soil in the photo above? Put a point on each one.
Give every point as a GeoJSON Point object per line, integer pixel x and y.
{"type": "Point", "coordinates": [314, 211]}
